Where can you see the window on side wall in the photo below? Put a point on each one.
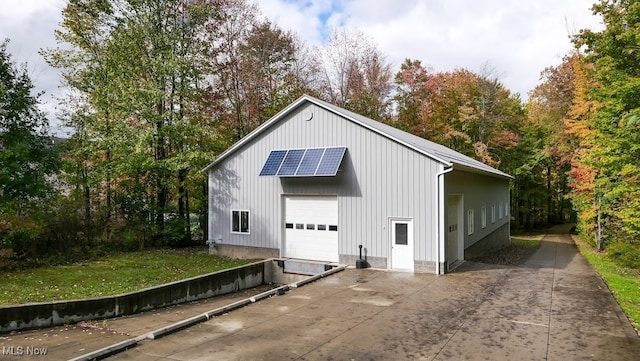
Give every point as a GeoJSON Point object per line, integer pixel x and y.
{"type": "Point", "coordinates": [500, 211]}
{"type": "Point", "coordinates": [506, 209]}
{"type": "Point", "coordinates": [493, 213]}
{"type": "Point", "coordinates": [470, 222]}
{"type": "Point", "coordinates": [240, 221]}
{"type": "Point", "coordinates": [483, 217]}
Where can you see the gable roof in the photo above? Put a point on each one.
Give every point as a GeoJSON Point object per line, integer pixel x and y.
{"type": "Point", "coordinates": [446, 156]}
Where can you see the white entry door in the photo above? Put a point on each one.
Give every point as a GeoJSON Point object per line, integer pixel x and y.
{"type": "Point", "coordinates": [401, 244]}
{"type": "Point", "coordinates": [311, 228]}
{"type": "Point", "coordinates": [455, 242]}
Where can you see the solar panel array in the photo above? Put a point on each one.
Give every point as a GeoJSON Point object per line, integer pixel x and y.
{"type": "Point", "coordinates": [307, 162]}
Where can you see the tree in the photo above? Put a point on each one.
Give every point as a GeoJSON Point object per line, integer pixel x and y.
{"type": "Point", "coordinates": [257, 70]}
{"type": "Point", "coordinates": [136, 68]}
{"type": "Point", "coordinates": [356, 75]}
{"type": "Point", "coordinates": [416, 89]}
{"type": "Point", "coordinates": [606, 175]}
{"type": "Point", "coordinates": [545, 172]}
{"type": "Point", "coordinates": [28, 160]}
{"type": "Point", "coordinates": [472, 114]}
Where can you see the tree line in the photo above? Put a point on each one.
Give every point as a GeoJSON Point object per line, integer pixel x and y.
{"type": "Point", "coordinates": [158, 88]}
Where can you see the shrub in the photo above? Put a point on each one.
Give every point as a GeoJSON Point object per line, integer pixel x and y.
{"type": "Point", "coordinates": [625, 254]}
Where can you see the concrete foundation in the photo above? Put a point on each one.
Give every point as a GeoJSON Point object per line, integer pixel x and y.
{"type": "Point", "coordinates": [373, 262]}
{"type": "Point", "coordinates": [244, 252]}
{"type": "Point", "coordinates": [424, 266]}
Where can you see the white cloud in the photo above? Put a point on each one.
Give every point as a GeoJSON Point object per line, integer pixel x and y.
{"type": "Point", "coordinates": [29, 24]}
{"type": "Point", "coordinates": [518, 38]}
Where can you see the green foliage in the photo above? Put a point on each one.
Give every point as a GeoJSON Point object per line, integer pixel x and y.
{"type": "Point", "coordinates": [16, 232]}
{"type": "Point", "coordinates": [526, 242]}
{"type": "Point", "coordinates": [542, 176]}
{"type": "Point", "coordinates": [27, 156]}
{"type": "Point", "coordinates": [623, 281]}
{"type": "Point", "coordinates": [606, 175]}
{"type": "Point", "coordinates": [112, 275]}
{"type": "Point", "coordinates": [141, 133]}
{"type": "Point", "coordinates": [28, 160]}
{"type": "Point", "coordinates": [625, 254]}
{"type": "Point", "coordinates": [160, 88]}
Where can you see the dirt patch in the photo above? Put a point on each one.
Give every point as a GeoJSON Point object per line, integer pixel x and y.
{"type": "Point", "coordinates": [511, 255]}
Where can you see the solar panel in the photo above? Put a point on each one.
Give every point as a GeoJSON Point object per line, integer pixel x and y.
{"type": "Point", "coordinates": [291, 162]}
{"type": "Point", "coordinates": [303, 162]}
{"type": "Point", "coordinates": [273, 162]}
{"type": "Point", "coordinates": [330, 161]}
{"type": "Point", "coordinates": [310, 162]}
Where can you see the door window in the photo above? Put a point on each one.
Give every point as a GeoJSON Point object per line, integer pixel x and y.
{"type": "Point", "coordinates": [402, 237]}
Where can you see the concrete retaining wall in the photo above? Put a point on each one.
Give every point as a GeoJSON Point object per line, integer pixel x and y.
{"type": "Point", "coordinates": [38, 315]}
{"type": "Point", "coordinates": [498, 238]}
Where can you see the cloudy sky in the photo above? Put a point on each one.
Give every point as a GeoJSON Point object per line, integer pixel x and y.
{"type": "Point", "coordinates": [515, 38]}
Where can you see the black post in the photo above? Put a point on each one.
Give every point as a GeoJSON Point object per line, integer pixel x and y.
{"type": "Point", "coordinates": [361, 263]}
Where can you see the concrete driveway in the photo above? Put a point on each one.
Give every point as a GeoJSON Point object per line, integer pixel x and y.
{"type": "Point", "coordinates": [554, 307]}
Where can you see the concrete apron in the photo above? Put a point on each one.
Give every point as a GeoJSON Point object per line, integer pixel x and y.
{"type": "Point", "coordinates": [554, 307]}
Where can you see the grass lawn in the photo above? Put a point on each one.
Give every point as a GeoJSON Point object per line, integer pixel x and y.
{"type": "Point", "coordinates": [112, 275]}
{"type": "Point", "coordinates": [624, 282]}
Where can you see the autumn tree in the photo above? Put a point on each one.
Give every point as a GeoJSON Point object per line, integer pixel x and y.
{"type": "Point", "coordinates": [258, 68]}
{"type": "Point", "coordinates": [473, 114]}
{"type": "Point", "coordinates": [544, 174]}
{"type": "Point", "coordinates": [470, 113]}
{"type": "Point", "coordinates": [356, 75]}
{"type": "Point", "coordinates": [610, 146]}
{"type": "Point", "coordinates": [416, 89]}
{"type": "Point", "coordinates": [578, 128]}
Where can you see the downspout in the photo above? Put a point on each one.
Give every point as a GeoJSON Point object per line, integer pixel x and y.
{"type": "Point", "coordinates": [441, 217]}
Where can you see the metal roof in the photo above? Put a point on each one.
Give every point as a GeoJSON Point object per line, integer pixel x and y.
{"type": "Point", "coordinates": [437, 152]}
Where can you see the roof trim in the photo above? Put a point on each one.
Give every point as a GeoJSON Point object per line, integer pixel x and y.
{"type": "Point", "coordinates": [347, 115]}
{"type": "Point", "coordinates": [327, 106]}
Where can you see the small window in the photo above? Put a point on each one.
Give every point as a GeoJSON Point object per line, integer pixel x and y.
{"type": "Point", "coordinates": [506, 208]}
{"type": "Point", "coordinates": [483, 217]}
{"type": "Point", "coordinates": [470, 222]}
{"type": "Point", "coordinates": [500, 211]}
{"type": "Point", "coordinates": [402, 235]}
{"type": "Point", "coordinates": [299, 226]}
{"type": "Point", "coordinates": [288, 225]}
{"type": "Point", "coordinates": [311, 226]}
{"type": "Point", "coordinates": [333, 227]}
{"type": "Point", "coordinates": [322, 227]}
{"type": "Point", "coordinates": [493, 213]}
{"type": "Point", "coordinates": [240, 221]}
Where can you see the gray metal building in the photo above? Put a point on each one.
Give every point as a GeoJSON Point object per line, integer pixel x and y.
{"type": "Point", "coordinates": [316, 181]}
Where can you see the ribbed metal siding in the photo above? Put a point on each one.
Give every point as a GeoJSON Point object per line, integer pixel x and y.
{"type": "Point", "coordinates": [379, 179]}
{"type": "Point", "coordinates": [478, 191]}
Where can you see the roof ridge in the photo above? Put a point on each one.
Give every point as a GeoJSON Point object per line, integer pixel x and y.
{"type": "Point", "coordinates": [437, 152]}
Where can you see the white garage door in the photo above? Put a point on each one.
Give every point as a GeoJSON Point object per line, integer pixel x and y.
{"type": "Point", "coordinates": [311, 228]}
